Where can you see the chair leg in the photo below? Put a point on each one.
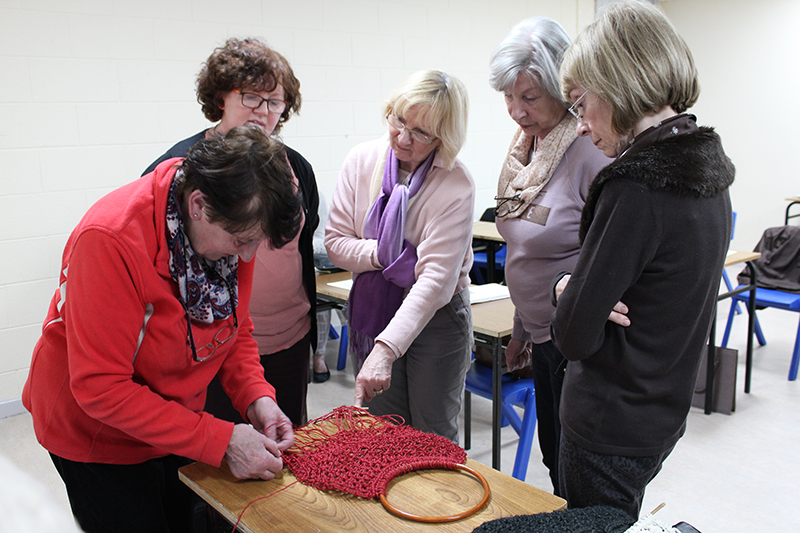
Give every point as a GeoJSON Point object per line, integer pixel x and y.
{"type": "Point", "coordinates": [332, 333]}
{"type": "Point", "coordinates": [342, 362]}
{"type": "Point", "coordinates": [762, 341]}
{"type": "Point", "coordinates": [728, 325]}
{"type": "Point", "coordinates": [476, 271]}
{"type": "Point", "coordinates": [525, 444]}
{"type": "Point", "coordinates": [795, 357]}
{"type": "Point", "coordinates": [727, 281]}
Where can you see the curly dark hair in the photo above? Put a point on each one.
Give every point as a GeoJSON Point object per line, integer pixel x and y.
{"type": "Point", "coordinates": [246, 64]}
{"type": "Point", "coordinates": [247, 182]}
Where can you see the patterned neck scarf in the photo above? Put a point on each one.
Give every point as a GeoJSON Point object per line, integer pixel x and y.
{"type": "Point", "coordinates": [520, 180]}
{"type": "Point", "coordinates": [207, 288]}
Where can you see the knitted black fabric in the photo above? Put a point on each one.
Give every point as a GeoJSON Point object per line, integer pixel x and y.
{"type": "Point", "coordinates": [600, 519]}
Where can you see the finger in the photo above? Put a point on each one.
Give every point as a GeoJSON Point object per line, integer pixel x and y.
{"type": "Point", "coordinates": [619, 318]}
{"type": "Point", "coordinates": [285, 435]}
{"type": "Point", "coordinates": [359, 399]}
{"type": "Point", "coordinates": [621, 308]}
{"type": "Point", "coordinates": [271, 432]}
{"type": "Point", "coordinates": [272, 447]}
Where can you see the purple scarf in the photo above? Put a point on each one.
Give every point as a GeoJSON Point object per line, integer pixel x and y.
{"type": "Point", "coordinates": [377, 295]}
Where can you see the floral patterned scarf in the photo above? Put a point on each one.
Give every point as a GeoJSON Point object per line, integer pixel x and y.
{"type": "Point", "coordinates": [207, 288]}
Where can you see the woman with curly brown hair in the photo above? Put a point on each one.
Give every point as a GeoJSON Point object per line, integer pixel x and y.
{"type": "Point", "coordinates": [244, 82]}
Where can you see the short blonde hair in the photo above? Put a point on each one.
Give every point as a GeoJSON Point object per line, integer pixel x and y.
{"type": "Point", "coordinates": [442, 102]}
{"type": "Point", "coordinates": [633, 59]}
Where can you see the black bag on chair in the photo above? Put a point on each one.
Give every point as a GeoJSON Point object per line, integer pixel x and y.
{"type": "Point", "coordinates": [724, 392]}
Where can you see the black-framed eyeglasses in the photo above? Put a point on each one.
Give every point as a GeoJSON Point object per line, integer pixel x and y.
{"type": "Point", "coordinates": [198, 354]}
{"type": "Point", "coordinates": [416, 135]}
{"type": "Point", "coordinates": [254, 101]}
{"type": "Point", "coordinates": [503, 200]}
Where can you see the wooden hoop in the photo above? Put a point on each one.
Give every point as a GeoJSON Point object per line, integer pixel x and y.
{"type": "Point", "coordinates": [440, 519]}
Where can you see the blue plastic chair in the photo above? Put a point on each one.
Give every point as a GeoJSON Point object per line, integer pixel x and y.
{"type": "Point", "coordinates": [757, 327]}
{"type": "Point", "coordinates": [725, 277]}
{"type": "Point", "coordinates": [513, 392]}
{"type": "Point", "coordinates": [480, 261]}
{"type": "Point", "coordinates": [769, 298]}
{"type": "Point", "coordinates": [342, 362]}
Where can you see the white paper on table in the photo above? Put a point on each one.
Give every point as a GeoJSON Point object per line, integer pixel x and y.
{"type": "Point", "coordinates": [346, 284]}
{"type": "Point", "coordinates": [487, 293]}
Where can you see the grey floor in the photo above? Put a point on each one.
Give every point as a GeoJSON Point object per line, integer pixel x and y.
{"type": "Point", "coordinates": [736, 473]}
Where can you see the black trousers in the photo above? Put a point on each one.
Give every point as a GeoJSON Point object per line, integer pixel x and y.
{"type": "Point", "coordinates": [548, 378]}
{"type": "Point", "coordinates": [286, 370]}
{"type": "Point", "coordinates": [588, 479]}
{"type": "Point", "coordinates": [144, 497]}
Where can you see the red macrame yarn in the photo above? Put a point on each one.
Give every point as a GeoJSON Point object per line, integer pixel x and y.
{"type": "Point", "coordinates": [358, 453]}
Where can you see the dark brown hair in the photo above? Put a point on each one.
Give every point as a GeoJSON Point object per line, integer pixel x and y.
{"type": "Point", "coordinates": [246, 181]}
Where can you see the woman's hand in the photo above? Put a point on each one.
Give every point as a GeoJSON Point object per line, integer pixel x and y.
{"type": "Point", "coordinates": [618, 314]}
{"type": "Point", "coordinates": [376, 373]}
{"type": "Point", "coordinates": [518, 354]}
{"type": "Point", "coordinates": [254, 451]}
{"type": "Point", "coordinates": [268, 419]}
{"type": "Point", "coordinates": [252, 455]}
{"type": "Point", "coordinates": [561, 285]}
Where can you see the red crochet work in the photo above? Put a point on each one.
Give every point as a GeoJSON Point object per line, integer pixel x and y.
{"type": "Point", "coordinates": [358, 453]}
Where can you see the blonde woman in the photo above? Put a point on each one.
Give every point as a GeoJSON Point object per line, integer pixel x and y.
{"type": "Point", "coordinates": [634, 316]}
{"type": "Point", "coordinates": [401, 221]}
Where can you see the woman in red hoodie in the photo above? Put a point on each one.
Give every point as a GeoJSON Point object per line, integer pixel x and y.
{"type": "Point", "coordinates": [152, 304]}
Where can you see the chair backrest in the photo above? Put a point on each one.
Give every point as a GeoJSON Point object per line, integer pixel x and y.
{"type": "Point", "coordinates": [779, 265]}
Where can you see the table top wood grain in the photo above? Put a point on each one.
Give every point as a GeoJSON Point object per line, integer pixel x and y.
{"type": "Point", "coordinates": [487, 231]}
{"type": "Point", "coordinates": [734, 257]}
{"type": "Point", "coordinates": [290, 506]}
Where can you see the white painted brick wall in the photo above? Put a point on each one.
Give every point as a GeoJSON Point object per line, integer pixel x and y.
{"type": "Point", "coordinates": [91, 91]}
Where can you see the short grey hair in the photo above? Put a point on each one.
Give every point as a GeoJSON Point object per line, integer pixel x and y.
{"type": "Point", "coordinates": [534, 47]}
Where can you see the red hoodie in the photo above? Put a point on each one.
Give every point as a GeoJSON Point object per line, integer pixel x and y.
{"type": "Point", "coordinates": [112, 378]}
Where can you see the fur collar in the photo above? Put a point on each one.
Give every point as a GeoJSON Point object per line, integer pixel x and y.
{"type": "Point", "coordinates": [693, 164]}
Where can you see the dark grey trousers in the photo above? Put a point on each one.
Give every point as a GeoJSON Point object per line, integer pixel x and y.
{"type": "Point", "coordinates": [428, 380]}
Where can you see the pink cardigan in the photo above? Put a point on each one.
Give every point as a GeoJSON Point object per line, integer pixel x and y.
{"type": "Point", "coordinates": [439, 224]}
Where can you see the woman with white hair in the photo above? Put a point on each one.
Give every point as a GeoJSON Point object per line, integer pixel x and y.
{"type": "Point", "coordinates": [655, 232]}
{"type": "Point", "coordinates": [401, 221]}
{"type": "Point", "coordinates": [540, 195]}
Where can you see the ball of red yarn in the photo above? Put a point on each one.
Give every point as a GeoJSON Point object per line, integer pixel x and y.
{"type": "Point", "coordinates": [358, 453]}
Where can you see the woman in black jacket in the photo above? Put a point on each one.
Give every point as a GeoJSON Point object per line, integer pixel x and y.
{"type": "Point", "coordinates": [634, 316]}
{"type": "Point", "coordinates": [244, 82]}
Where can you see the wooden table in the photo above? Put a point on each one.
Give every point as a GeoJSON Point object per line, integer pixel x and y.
{"type": "Point", "coordinates": [300, 508]}
{"type": "Point", "coordinates": [486, 234]}
{"type": "Point", "coordinates": [733, 258]}
{"type": "Point", "coordinates": [327, 293]}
